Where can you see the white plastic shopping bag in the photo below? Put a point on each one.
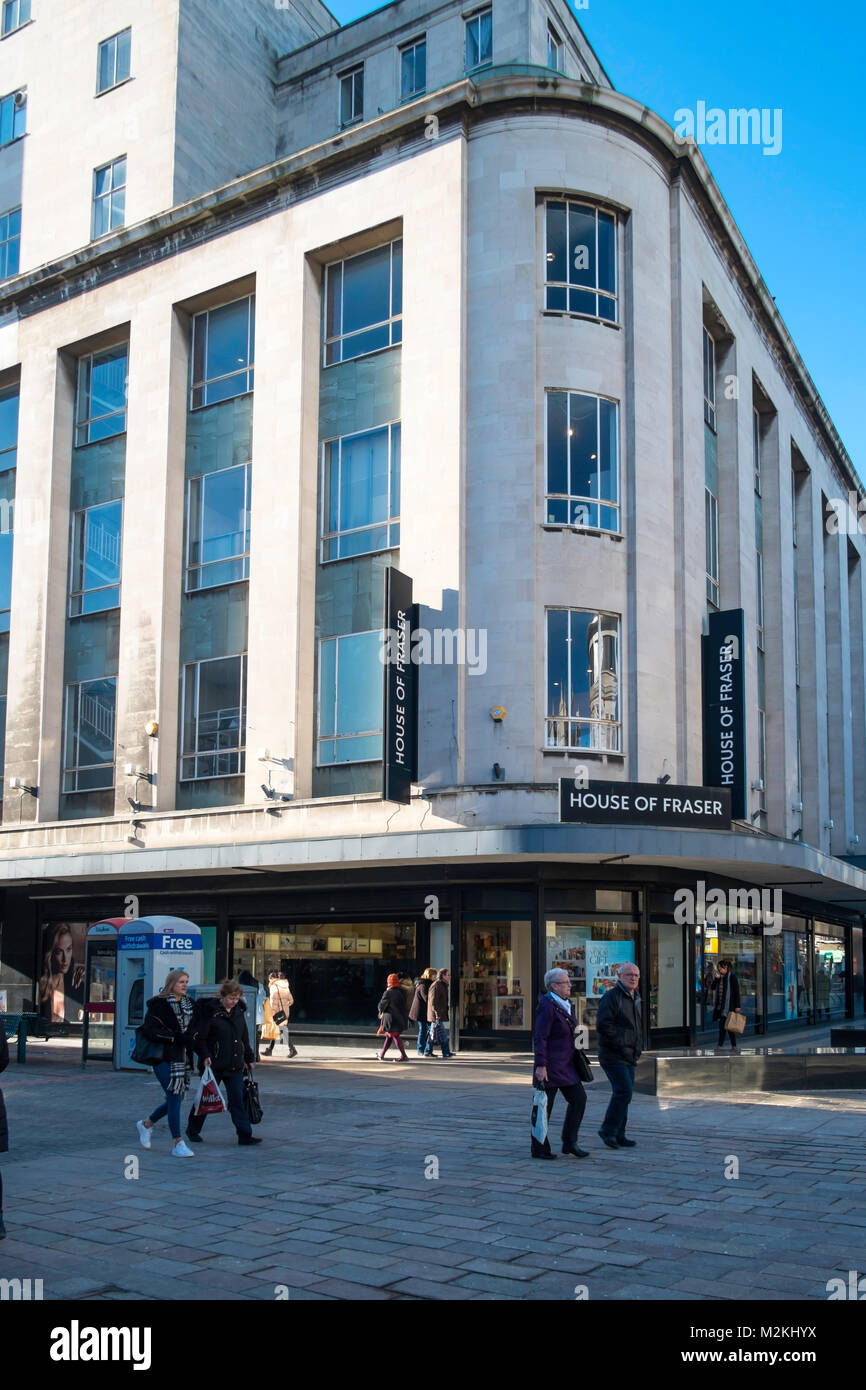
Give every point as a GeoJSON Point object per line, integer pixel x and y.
{"type": "Point", "coordinates": [538, 1114]}
{"type": "Point", "coordinates": [208, 1100]}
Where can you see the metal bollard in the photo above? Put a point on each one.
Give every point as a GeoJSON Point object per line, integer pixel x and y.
{"type": "Point", "coordinates": [22, 1039]}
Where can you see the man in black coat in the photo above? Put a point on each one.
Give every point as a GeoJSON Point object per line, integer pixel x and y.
{"type": "Point", "coordinates": [620, 1032]}
{"type": "Point", "coordinates": [223, 1044]}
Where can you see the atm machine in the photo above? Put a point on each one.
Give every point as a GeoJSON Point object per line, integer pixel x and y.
{"type": "Point", "coordinates": [147, 949]}
{"type": "Point", "coordinates": [100, 990]}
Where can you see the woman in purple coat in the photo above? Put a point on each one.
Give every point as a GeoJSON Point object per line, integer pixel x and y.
{"type": "Point", "coordinates": [555, 1066]}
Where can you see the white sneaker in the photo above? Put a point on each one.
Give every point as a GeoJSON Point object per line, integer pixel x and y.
{"type": "Point", "coordinates": [143, 1133]}
{"type": "Point", "coordinates": [180, 1150]}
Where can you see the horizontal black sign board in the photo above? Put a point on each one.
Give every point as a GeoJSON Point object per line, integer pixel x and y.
{"type": "Point", "coordinates": [645, 803]}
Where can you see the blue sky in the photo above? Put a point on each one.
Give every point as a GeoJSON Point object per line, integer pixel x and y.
{"type": "Point", "coordinates": [803, 211]}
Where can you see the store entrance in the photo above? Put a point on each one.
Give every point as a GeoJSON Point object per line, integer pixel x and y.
{"type": "Point", "coordinates": [667, 990]}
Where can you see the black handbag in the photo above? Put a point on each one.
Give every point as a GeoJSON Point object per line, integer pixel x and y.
{"type": "Point", "coordinates": [280, 1016]}
{"type": "Point", "coordinates": [145, 1051]}
{"type": "Point", "coordinates": [252, 1104]}
{"type": "Point", "coordinates": [581, 1061]}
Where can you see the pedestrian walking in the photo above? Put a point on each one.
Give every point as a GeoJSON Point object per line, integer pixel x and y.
{"type": "Point", "coordinates": [223, 1044]}
{"type": "Point", "coordinates": [394, 1013]}
{"type": "Point", "coordinates": [727, 999]}
{"type": "Point", "coordinates": [270, 1031]}
{"type": "Point", "coordinates": [556, 1062]}
{"type": "Point", "coordinates": [171, 1020]}
{"type": "Point", "coordinates": [418, 1008]}
{"type": "Point", "coordinates": [4, 1124]}
{"type": "Point", "coordinates": [620, 1029]}
{"type": "Point", "coordinates": [438, 1015]}
{"type": "Point", "coordinates": [281, 1000]}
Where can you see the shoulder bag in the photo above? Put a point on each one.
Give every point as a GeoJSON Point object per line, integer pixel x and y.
{"type": "Point", "coordinates": [145, 1051]}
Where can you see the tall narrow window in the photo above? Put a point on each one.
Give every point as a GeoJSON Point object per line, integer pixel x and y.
{"type": "Point", "coordinates": [218, 528]}
{"type": "Point", "coordinates": [364, 303]}
{"type": "Point", "coordinates": [582, 461]}
{"type": "Point", "coordinates": [711, 517]}
{"type": "Point", "coordinates": [554, 50]}
{"type": "Point", "coordinates": [101, 396]}
{"type": "Point", "coordinates": [583, 681]}
{"type": "Point", "coordinates": [479, 39]}
{"type": "Point", "coordinates": [10, 242]}
{"type": "Point", "coordinates": [756, 449]}
{"type": "Point", "coordinates": [109, 197]}
{"type": "Point", "coordinates": [6, 547]}
{"type": "Point", "coordinates": [112, 64]}
{"type": "Point", "coordinates": [214, 718]}
{"type": "Point", "coordinates": [361, 493]}
{"type": "Point", "coordinates": [8, 428]}
{"type": "Point", "coordinates": [15, 13]}
{"type": "Point", "coordinates": [413, 69]}
{"type": "Point", "coordinates": [13, 116]}
{"type": "Point", "coordinates": [351, 674]}
{"type": "Point", "coordinates": [94, 571]}
{"type": "Point", "coordinates": [88, 745]}
{"type": "Point", "coordinates": [223, 349]}
{"type": "Point", "coordinates": [580, 260]}
{"type": "Point", "coordinates": [709, 380]}
{"type": "Point", "coordinates": [351, 97]}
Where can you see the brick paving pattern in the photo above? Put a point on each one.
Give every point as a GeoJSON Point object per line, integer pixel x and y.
{"type": "Point", "coordinates": [335, 1203]}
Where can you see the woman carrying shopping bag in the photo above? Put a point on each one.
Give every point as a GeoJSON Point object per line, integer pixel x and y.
{"type": "Point", "coordinates": [170, 1023]}
{"type": "Point", "coordinates": [281, 1000]}
{"type": "Point", "coordinates": [223, 1044]}
{"type": "Point", "coordinates": [727, 1002]}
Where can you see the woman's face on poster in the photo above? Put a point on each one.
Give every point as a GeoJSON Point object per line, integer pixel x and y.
{"type": "Point", "coordinates": [61, 956]}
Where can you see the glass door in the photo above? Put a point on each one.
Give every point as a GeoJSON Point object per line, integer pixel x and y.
{"type": "Point", "coordinates": [668, 957]}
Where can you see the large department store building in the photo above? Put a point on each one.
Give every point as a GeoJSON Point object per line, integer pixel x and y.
{"type": "Point", "coordinates": [287, 305]}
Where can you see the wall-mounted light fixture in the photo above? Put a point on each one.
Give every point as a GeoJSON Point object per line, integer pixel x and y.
{"type": "Point", "coordinates": [18, 786]}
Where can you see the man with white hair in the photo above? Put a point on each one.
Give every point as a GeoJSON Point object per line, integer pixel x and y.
{"type": "Point", "coordinates": [620, 1031]}
{"type": "Point", "coordinates": [555, 1065]}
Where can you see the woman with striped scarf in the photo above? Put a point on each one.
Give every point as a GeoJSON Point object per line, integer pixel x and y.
{"type": "Point", "coordinates": [172, 1020]}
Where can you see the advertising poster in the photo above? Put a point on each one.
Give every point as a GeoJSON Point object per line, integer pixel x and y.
{"type": "Point", "coordinates": [603, 959]}
{"type": "Point", "coordinates": [61, 979]}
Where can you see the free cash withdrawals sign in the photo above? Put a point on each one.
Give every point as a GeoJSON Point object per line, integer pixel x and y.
{"type": "Point", "coordinates": [400, 724]}
{"type": "Point", "coordinates": [724, 703]}
{"type": "Point", "coordinates": [645, 803]}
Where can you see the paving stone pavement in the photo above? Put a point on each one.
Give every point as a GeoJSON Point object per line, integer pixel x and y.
{"type": "Point", "coordinates": [342, 1200]}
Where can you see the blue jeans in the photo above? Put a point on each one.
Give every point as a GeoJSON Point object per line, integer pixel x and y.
{"type": "Point", "coordinates": [171, 1105]}
{"type": "Point", "coordinates": [437, 1032]}
{"type": "Point", "coordinates": [234, 1083]}
{"type": "Point", "coordinates": [423, 1035]}
{"type": "Point", "coordinates": [621, 1078]}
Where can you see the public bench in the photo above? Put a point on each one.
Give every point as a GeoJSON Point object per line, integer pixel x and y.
{"type": "Point", "coordinates": [31, 1026]}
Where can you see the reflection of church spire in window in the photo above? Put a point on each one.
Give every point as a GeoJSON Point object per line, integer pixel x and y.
{"type": "Point", "coordinates": [559, 728]}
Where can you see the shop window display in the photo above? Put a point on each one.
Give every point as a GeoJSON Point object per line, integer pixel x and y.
{"type": "Point", "coordinates": [829, 971]}
{"type": "Point", "coordinates": [591, 952]}
{"type": "Point", "coordinates": [496, 977]}
{"type": "Point", "coordinates": [336, 970]}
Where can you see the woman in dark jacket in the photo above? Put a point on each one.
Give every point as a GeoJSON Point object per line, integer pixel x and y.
{"type": "Point", "coordinates": [223, 1044]}
{"type": "Point", "coordinates": [727, 998]}
{"type": "Point", "coordinates": [418, 1011]}
{"type": "Point", "coordinates": [4, 1128]}
{"type": "Point", "coordinates": [171, 1020]}
{"type": "Point", "coordinates": [394, 1013]}
{"type": "Point", "coordinates": [555, 1065]}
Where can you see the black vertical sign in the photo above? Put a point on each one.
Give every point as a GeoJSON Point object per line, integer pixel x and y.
{"type": "Point", "coordinates": [724, 699]}
{"type": "Point", "coordinates": [400, 753]}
